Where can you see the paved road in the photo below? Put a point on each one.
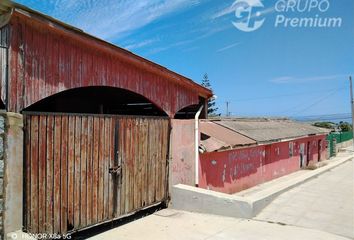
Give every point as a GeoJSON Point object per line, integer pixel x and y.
{"type": "Point", "coordinates": [325, 203]}
{"type": "Point", "coordinates": [321, 209]}
{"type": "Point", "coordinates": [171, 224]}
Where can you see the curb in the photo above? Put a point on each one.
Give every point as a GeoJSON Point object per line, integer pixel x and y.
{"type": "Point", "coordinates": [260, 203]}
{"type": "Point", "coordinates": [194, 199]}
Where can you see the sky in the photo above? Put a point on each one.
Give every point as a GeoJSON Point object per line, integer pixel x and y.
{"type": "Point", "coordinates": [274, 70]}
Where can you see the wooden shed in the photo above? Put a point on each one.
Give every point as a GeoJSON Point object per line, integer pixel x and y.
{"type": "Point", "coordinates": [96, 121]}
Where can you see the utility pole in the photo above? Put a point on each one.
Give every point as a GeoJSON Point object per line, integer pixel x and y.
{"type": "Point", "coordinates": [227, 109]}
{"type": "Point", "coordinates": [352, 104]}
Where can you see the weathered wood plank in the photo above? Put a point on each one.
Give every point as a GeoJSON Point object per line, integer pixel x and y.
{"type": "Point", "coordinates": [112, 181]}
{"type": "Point", "coordinates": [135, 162]}
{"type": "Point", "coordinates": [151, 163]}
{"type": "Point", "coordinates": [145, 189]}
{"type": "Point", "coordinates": [50, 176]}
{"type": "Point", "coordinates": [95, 166]}
{"type": "Point", "coordinates": [140, 160]}
{"type": "Point", "coordinates": [71, 172]}
{"type": "Point", "coordinates": [128, 165]}
{"type": "Point", "coordinates": [121, 186]}
{"type": "Point", "coordinates": [83, 177]}
{"type": "Point", "coordinates": [77, 172]}
{"type": "Point", "coordinates": [134, 153]}
{"type": "Point", "coordinates": [57, 172]}
{"type": "Point", "coordinates": [64, 174]}
{"type": "Point", "coordinates": [164, 159]}
{"type": "Point", "coordinates": [89, 169]}
{"type": "Point", "coordinates": [155, 161]}
{"type": "Point", "coordinates": [34, 173]}
{"type": "Point", "coordinates": [100, 207]}
{"type": "Point", "coordinates": [42, 172]}
{"type": "Point", "coordinates": [28, 165]}
{"type": "Point", "coordinates": [135, 157]}
{"type": "Point", "coordinates": [106, 163]}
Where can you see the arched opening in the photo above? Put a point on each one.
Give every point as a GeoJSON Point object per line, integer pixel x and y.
{"type": "Point", "coordinates": [187, 112]}
{"type": "Point", "coordinates": [190, 111]}
{"type": "Point", "coordinates": [97, 100]}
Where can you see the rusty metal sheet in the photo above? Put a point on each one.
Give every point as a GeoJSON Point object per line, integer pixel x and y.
{"type": "Point", "coordinates": [223, 135]}
{"type": "Point", "coordinates": [212, 144]}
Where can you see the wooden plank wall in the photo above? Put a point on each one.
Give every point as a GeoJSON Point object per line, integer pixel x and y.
{"type": "Point", "coordinates": [46, 60]}
{"type": "Point", "coordinates": [68, 157]}
{"type": "Point", "coordinates": [4, 44]}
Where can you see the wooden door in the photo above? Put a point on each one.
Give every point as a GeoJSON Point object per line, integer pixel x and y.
{"type": "Point", "coordinates": [82, 170]}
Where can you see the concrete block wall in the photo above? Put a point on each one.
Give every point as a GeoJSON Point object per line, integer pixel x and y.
{"type": "Point", "coordinates": [344, 145]}
{"type": "Point", "coordinates": [182, 167]}
{"type": "Point", "coordinates": [11, 173]}
{"type": "Point", "coordinates": [2, 136]}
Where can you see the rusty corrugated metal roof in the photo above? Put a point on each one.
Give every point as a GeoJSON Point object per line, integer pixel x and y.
{"type": "Point", "coordinates": [267, 130]}
{"type": "Point", "coordinates": [212, 144]}
{"type": "Point", "coordinates": [221, 137]}
{"type": "Point", "coordinates": [224, 134]}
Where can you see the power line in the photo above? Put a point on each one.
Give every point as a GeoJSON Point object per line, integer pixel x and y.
{"type": "Point", "coordinates": [318, 101]}
{"type": "Point", "coordinates": [280, 95]}
{"type": "Point", "coordinates": [302, 104]}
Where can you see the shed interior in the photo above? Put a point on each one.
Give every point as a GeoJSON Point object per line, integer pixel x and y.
{"type": "Point", "coordinates": [98, 100]}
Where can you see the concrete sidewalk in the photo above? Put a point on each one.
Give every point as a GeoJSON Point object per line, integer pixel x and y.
{"type": "Point", "coordinates": [179, 225]}
{"type": "Point", "coordinates": [317, 203]}
{"type": "Point", "coordinates": [325, 203]}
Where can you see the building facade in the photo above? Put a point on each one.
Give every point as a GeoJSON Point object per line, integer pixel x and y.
{"type": "Point", "coordinates": [267, 149]}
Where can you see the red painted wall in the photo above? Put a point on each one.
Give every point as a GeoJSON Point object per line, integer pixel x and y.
{"type": "Point", "coordinates": [236, 170]}
{"type": "Point", "coordinates": [46, 59]}
{"type": "Point", "coordinates": [182, 167]}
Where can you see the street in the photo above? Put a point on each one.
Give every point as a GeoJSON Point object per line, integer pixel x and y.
{"type": "Point", "coordinates": [325, 203]}
{"type": "Point", "coordinates": [321, 208]}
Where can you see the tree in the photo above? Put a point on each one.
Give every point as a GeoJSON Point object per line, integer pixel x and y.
{"type": "Point", "coordinates": [329, 125]}
{"type": "Point", "coordinates": [345, 126]}
{"type": "Point", "coordinates": [212, 109]}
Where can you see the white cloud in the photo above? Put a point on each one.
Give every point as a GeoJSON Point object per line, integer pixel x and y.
{"type": "Point", "coordinates": [204, 33]}
{"type": "Point", "coordinates": [137, 45]}
{"type": "Point", "coordinates": [228, 47]}
{"type": "Point", "coordinates": [289, 79]}
{"type": "Point", "coordinates": [111, 19]}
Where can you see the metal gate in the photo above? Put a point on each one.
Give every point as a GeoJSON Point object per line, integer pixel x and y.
{"type": "Point", "coordinates": [82, 170]}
